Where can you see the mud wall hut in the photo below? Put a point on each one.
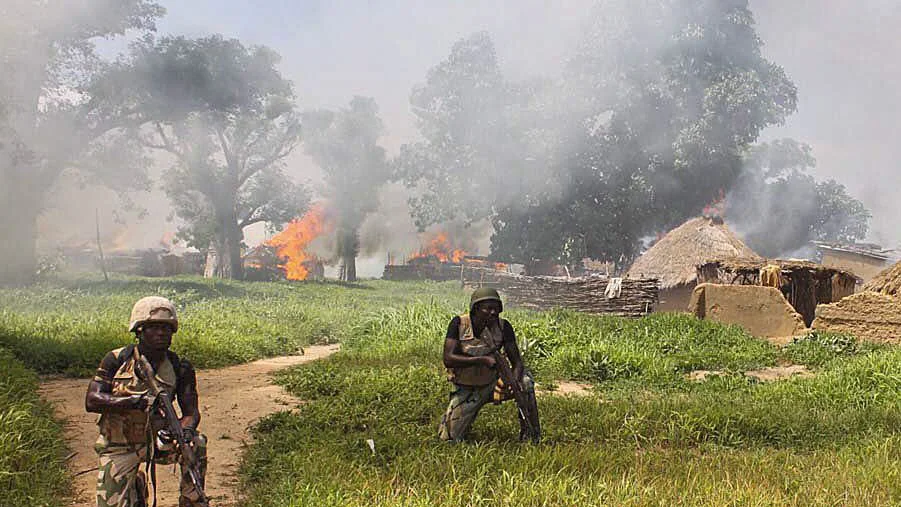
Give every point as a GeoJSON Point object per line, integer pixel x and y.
{"type": "Point", "coordinates": [674, 259]}
{"type": "Point", "coordinates": [804, 284]}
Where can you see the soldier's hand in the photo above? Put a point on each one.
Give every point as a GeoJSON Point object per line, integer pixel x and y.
{"type": "Point", "coordinates": [489, 361]}
{"type": "Point", "coordinates": [141, 401]}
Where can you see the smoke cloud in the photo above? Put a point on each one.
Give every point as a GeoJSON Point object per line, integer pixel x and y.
{"type": "Point", "coordinates": [839, 53]}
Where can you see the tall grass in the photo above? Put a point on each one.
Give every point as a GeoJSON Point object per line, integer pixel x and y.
{"type": "Point", "coordinates": [66, 326]}
{"type": "Point", "coordinates": [31, 448]}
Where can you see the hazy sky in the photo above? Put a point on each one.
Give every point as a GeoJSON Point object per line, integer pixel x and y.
{"type": "Point", "coordinates": [843, 56]}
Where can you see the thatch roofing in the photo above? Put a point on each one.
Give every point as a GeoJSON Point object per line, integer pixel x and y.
{"type": "Point", "coordinates": [674, 260]}
{"type": "Point", "coordinates": [787, 265]}
{"type": "Point", "coordinates": [887, 282]}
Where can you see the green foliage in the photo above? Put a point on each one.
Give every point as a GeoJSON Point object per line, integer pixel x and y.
{"type": "Point", "coordinates": [32, 468]}
{"type": "Point", "coordinates": [644, 436]}
{"type": "Point", "coordinates": [818, 348]}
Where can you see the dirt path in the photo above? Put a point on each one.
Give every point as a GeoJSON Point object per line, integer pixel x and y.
{"type": "Point", "coordinates": [222, 392]}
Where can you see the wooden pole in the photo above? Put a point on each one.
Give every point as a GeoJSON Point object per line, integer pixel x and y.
{"type": "Point", "coordinates": [99, 245]}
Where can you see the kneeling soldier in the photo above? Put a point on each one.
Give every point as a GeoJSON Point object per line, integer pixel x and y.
{"type": "Point", "coordinates": [132, 428]}
{"type": "Point", "coordinates": [470, 348]}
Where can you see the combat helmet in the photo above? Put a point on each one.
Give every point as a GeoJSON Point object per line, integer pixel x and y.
{"type": "Point", "coordinates": [484, 294]}
{"type": "Point", "coordinates": [153, 309]}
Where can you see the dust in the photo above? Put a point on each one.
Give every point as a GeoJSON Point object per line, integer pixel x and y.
{"type": "Point", "coordinates": [231, 400]}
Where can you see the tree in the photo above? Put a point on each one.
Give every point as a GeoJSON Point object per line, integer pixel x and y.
{"type": "Point", "coordinates": [780, 208]}
{"type": "Point", "coordinates": [226, 116]}
{"type": "Point", "coordinates": [46, 123]}
{"type": "Point", "coordinates": [460, 164]}
{"type": "Point", "coordinates": [665, 97]}
{"type": "Point", "coordinates": [344, 144]}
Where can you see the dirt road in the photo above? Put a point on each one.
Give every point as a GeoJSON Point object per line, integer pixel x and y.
{"type": "Point", "coordinates": [231, 400]}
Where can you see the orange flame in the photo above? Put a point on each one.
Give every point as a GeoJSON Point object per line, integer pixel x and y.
{"type": "Point", "coordinates": [440, 247]}
{"type": "Point", "coordinates": [291, 243]}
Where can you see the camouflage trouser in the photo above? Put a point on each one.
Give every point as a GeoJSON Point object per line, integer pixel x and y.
{"type": "Point", "coordinates": [117, 479]}
{"type": "Point", "coordinates": [464, 406]}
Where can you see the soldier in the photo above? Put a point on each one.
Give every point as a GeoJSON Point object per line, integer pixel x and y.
{"type": "Point", "coordinates": [131, 429]}
{"type": "Point", "coordinates": [472, 339]}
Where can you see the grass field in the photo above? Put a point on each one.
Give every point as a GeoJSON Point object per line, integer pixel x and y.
{"type": "Point", "coordinates": [644, 436]}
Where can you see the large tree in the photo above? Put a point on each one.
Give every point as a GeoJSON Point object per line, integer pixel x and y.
{"type": "Point", "coordinates": [46, 124]}
{"type": "Point", "coordinates": [467, 146]}
{"type": "Point", "coordinates": [665, 95]}
{"type": "Point", "coordinates": [226, 116]}
{"type": "Point", "coordinates": [780, 208]}
{"type": "Point", "coordinates": [344, 144]}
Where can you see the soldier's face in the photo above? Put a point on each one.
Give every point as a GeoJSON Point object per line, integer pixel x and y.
{"type": "Point", "coordinates": [488, 311]}
{"type": "Point", "coordinates": [156, 335]}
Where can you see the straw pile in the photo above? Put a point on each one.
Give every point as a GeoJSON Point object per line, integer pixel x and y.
{"type": "Point", "coordinates": [887, 282]}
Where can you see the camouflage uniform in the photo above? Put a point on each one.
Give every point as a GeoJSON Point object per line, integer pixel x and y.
{"type": "Point", "coordinates": [475, 386]}
{"type": "Point", "coordinates": [126, 438]}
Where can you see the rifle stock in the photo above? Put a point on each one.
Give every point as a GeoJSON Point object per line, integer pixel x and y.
{"type": "Point", "coordinates": [173, 425]}
{"type": "Point", "coordinates": [525, 402]}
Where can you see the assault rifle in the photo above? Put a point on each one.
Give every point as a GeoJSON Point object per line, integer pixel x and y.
{"type": "Point", "coordinates": [529, 426]}
{"type": "Point", "coordinates": [164, 400]}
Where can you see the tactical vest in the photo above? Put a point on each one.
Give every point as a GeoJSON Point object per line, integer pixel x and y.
{"type": "Point", "coordinates": [129, 427]}
{"type": "Point", "coordinates": [489, 340]}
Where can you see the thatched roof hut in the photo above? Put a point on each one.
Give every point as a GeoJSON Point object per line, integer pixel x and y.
{"type": "Point", "coordinates": [887, 282]}
{"type": "Point", "coordinates": [674, 260]}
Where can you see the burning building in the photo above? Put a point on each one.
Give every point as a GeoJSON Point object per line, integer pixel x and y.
{"type": "Point", "coordinates": [292, 246]}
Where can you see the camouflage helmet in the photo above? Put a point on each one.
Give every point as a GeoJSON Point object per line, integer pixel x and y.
{"type": "Point", "coordinates": [153, 309]}
{"type": "Point", "coordinates": [484, 294]}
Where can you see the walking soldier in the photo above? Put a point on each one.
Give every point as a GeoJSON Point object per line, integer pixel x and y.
{"type": "Point", "coordinates": [131, 391]}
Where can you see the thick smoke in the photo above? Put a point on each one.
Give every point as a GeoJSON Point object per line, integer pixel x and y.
{"type": "Point", "coordinates": [847, 106]}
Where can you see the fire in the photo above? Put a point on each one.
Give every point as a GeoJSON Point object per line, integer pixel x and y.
{"type": "Point", "coordinates": [717, 207]}
{"type": "Point", "coordinates": [440, 247]}
{"type": "Point", "coordinates": [291, 243]}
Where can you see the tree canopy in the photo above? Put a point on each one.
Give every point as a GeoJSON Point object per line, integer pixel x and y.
{"type": "Point", "coordinates": [47, 123]}
{"type": "Point", "coordinates": [646, 126]}
{"type": "Point", "coordinates": [226, 116]}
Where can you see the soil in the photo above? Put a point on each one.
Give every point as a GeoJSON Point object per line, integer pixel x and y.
{"type": "Point", "coordinates": [763, 375]}
{"type": "Point", "coordinates": [565, 387]}
{"type": "Point", "coordinates": [232, 399]}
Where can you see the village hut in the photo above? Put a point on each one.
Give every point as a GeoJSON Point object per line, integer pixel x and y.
{"type": "Point", "coordinates": [675, 258]}
{"type": "Point", "coordinates": [804, 284]}
{"type": "Point", "coordinates": [887, 282]}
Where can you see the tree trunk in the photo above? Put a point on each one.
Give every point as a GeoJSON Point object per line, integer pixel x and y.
{"type": "Point", "coordinates": [18, 231]}
{"type": "Point", "coordinates": [228, 245]}
{"type": "Point", "coordinates": [18, 227]}
{"type": "Point", "coordinates": [350, 268]}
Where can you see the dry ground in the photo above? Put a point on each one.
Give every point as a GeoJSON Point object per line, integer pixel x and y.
{"type": "Point", "coordinates": [231, 399]}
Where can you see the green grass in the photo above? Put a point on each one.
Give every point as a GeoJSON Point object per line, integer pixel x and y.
{"type": "Point", "coordinates": [646, 437]}
{"type": "Point", "coordinates": [66, 326]}
{"type": "Point", "coordinates": [31, 449]}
